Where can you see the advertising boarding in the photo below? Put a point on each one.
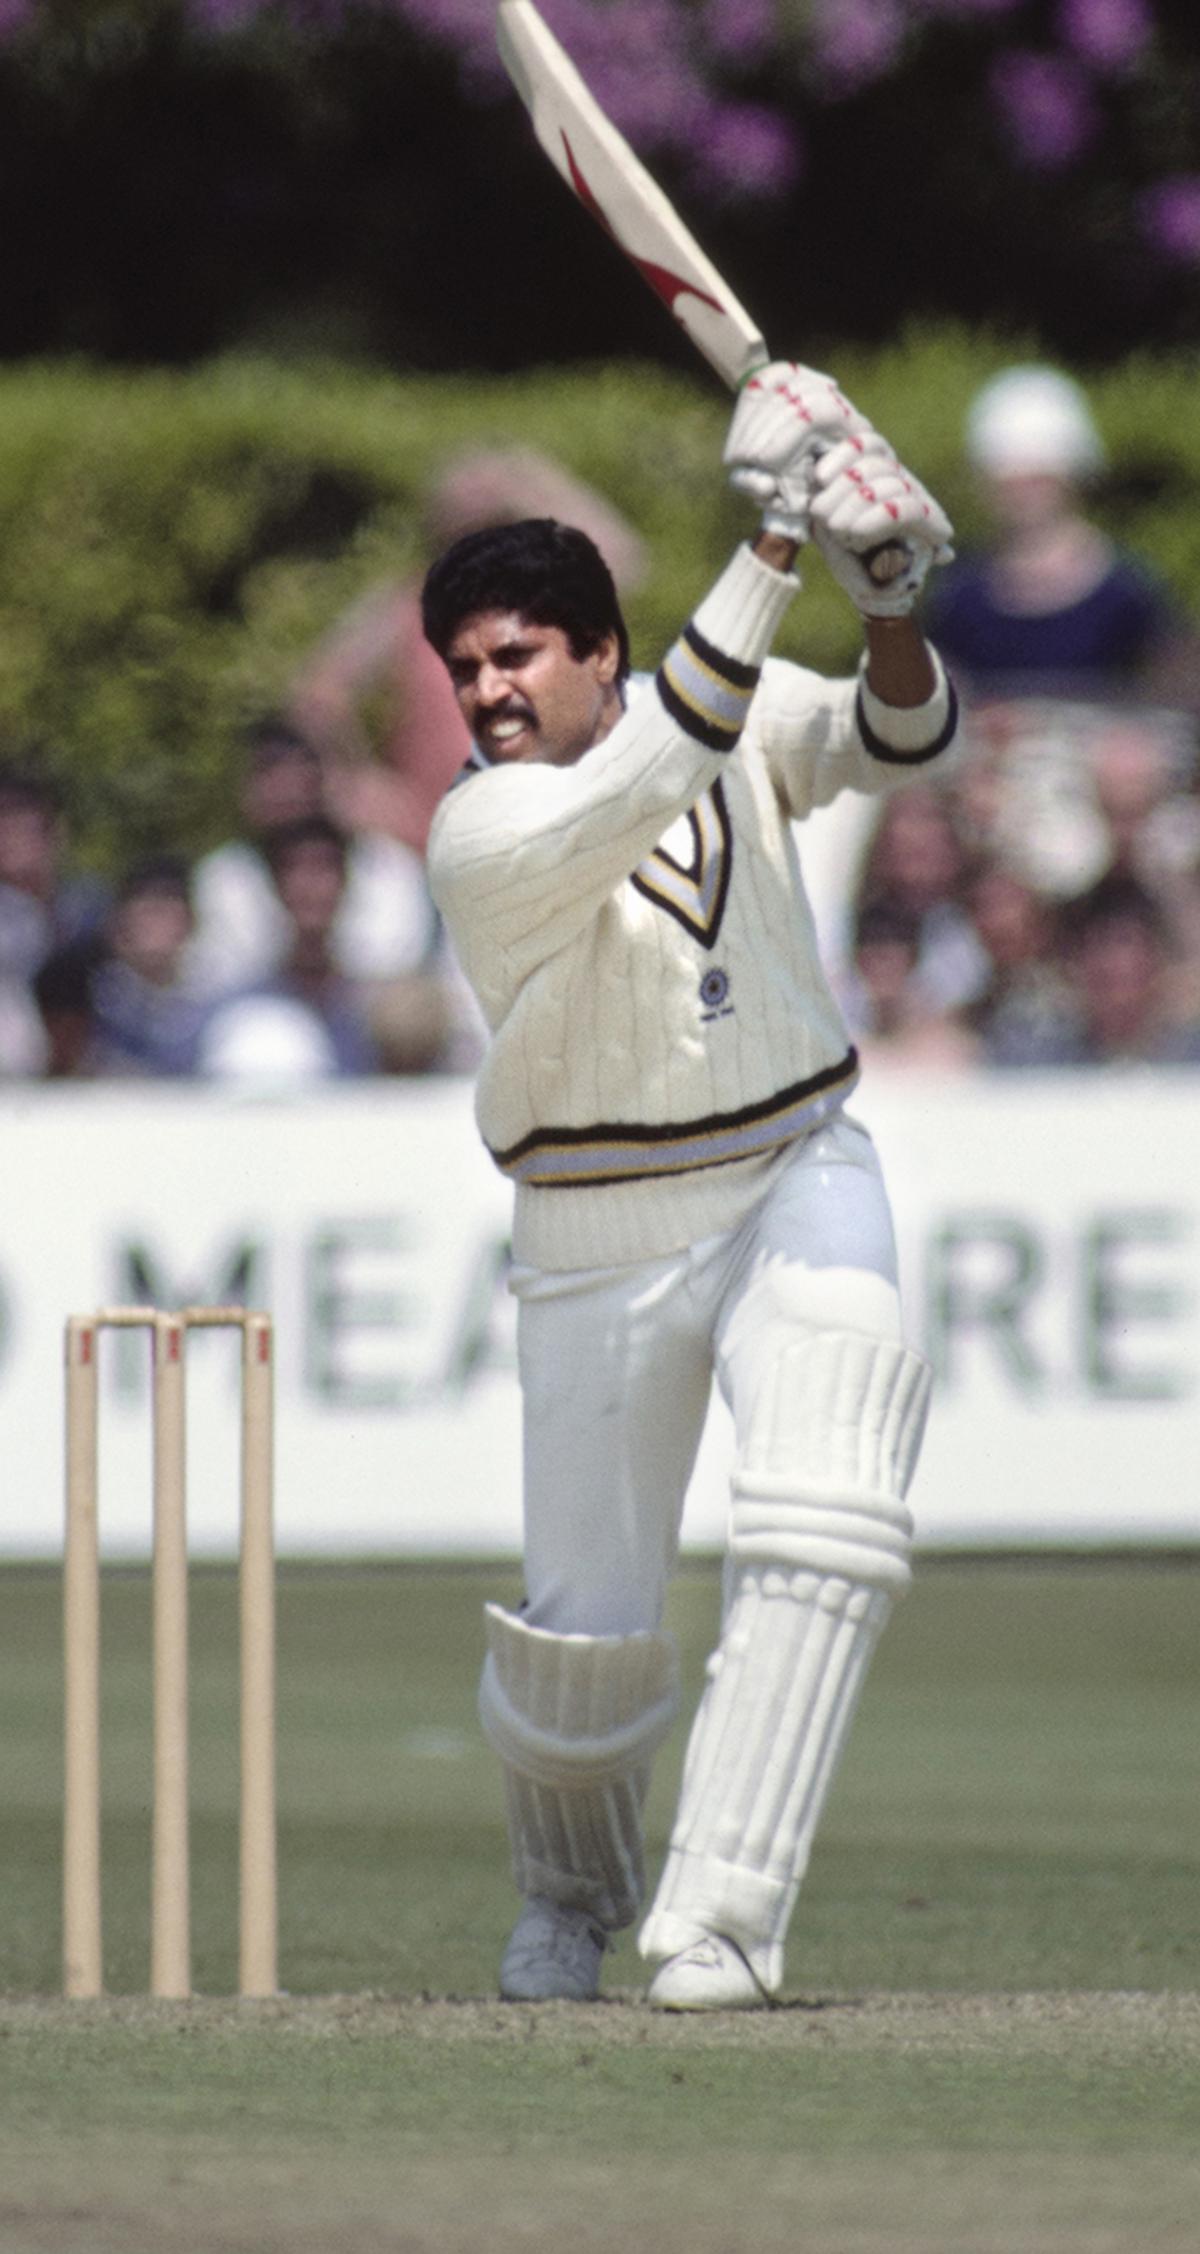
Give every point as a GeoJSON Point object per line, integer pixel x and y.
{"type": "Point", "coordinates": [1050, 1244]}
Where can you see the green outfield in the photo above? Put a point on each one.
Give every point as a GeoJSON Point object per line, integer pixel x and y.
{"type": "Point", "coordinates": [991, 2032]}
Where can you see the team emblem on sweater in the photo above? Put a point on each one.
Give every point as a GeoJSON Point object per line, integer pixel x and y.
{"type": "Point", "coordinates": [694, 891]}
{"type": "Point", "coordinates": [714, 995]}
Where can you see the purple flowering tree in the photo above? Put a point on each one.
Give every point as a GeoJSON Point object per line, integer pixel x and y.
{"type": "Point", "coordinates": [858, 159]}
{"type": "Point", "coordinates": [722, 88]}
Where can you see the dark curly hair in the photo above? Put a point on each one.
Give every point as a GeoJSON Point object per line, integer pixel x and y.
{"type": "Point", "coordinates": [546, 572]}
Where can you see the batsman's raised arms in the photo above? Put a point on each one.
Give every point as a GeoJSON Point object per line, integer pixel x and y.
{"type": "Point", "coordinates": [615, 187]}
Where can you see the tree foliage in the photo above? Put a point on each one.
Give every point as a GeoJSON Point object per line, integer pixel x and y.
{"type": "Point", "coordinates": [173, 542]}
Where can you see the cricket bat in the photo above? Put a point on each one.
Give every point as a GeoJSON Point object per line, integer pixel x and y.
{"type": "Point", "coordinates": [614, 185]}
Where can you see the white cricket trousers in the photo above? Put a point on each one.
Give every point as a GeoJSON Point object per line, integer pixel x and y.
{"type": "Point", "coordinates": [617, 1364]}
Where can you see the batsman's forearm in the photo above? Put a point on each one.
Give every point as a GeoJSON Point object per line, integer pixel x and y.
{"type": "Point", "coordinates": [773, 549]}
{"type": "Point", "coordinates": [900, 670]}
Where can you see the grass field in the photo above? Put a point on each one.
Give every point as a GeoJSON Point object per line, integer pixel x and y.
{"type": "Point", "coordinates": [991, 2032]}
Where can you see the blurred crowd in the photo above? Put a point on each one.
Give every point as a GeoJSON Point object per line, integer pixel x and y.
{"type": "Point", "coordinates": [1040, 908]}
{"type": "Point", "coordinates": [298, 950]}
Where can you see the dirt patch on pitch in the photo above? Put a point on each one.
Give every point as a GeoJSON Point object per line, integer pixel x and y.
{"type": "Point", "coordinates": [1039, 2023]}
{"type": "Point", "coordinates": [1146, 2029]}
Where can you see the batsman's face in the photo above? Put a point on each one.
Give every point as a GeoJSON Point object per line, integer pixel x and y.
{"type": "Point", "coordinates": [524, 694]}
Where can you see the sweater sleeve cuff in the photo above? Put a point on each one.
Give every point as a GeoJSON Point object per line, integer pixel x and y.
{"type": "Point", "coordinates": [908, 734]}
{"type": "Point", "coordinates": [741, 614]}
{"type": "Point", "coordinates": [708, 677]}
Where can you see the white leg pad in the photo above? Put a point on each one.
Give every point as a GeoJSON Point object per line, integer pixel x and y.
{"type": "Point", "coordinates": [829, 1457]}
{"type": "Point", "coordinates": [819, 1547]}
{"type": "Point", "coordinates": [777, 1708]}
{"type": "Point", "coordinates": [576, 1720]}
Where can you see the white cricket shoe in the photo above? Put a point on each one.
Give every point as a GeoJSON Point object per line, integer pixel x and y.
{"type": "Point", "coordinates": [712, 1975]}
{"type": "Point", "coordinates": [552, 1951]}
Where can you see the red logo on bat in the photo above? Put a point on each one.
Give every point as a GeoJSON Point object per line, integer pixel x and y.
{"type": "Point", "coordinates": [668, 286]}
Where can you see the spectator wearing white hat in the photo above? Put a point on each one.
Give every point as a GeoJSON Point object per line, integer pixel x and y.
{"type": "Point", "coordinates": [1053, 607]}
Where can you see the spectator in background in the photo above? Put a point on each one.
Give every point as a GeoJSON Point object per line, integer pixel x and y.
{"type": "Point", "coordinates": [915, 864]}
{"type": "Point", "coordinates": [1004, 900]}
{"type": "Point", "coordinates": [1146, 800]}
{"type": "Point", "coordinates": [307, 992]}
{"type": "Point", "coordinates": [1026, 1000]}
{"type": "Point", "coordinates": [122, 1004]}
{"type": "Point", "coordinates": [1026, 793]}
{"type": "Point", "coordinates": [386, 940]}
{"type": "Point", "coordinates": [44, 906]}
{"type": "Point", "coordinates": [1053, 607]}
{"type": "Point", "coordinates": [21, 1035]}
{"type": "Point", "coordinates": [1119, 1007]}
{"type": "Point", "coordinates": [885, 1009]}
{"type": "Point", "coordinates": [373, 696]}
{"type": "Point", "coordinates": [62, 993]}
{"type": "Point", "coordinates": [23, 1051]}
{"type": "Point", "coordinates": [386, 922]}
{"type": "Point", "coordinates": [43, 903]}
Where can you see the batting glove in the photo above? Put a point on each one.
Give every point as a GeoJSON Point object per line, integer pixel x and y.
{"type": "Point", "coordinates": [877, 528]}
{"type": "Point", "coordinates": [787, 417]}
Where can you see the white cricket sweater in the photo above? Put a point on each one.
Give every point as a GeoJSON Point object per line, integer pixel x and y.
{"type": "Point", "coordinates": [637, 932]}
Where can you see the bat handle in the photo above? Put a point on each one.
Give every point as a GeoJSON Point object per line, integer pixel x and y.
{"type": "Point", "coordinates": [886, 562]}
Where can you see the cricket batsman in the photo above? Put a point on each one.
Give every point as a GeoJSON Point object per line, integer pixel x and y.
{"type": "Point", "coordinates": [667, 1087]}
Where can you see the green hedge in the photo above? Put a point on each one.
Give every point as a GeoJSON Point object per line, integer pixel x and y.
{"type": "Point", "coordinates": [171, 544]}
